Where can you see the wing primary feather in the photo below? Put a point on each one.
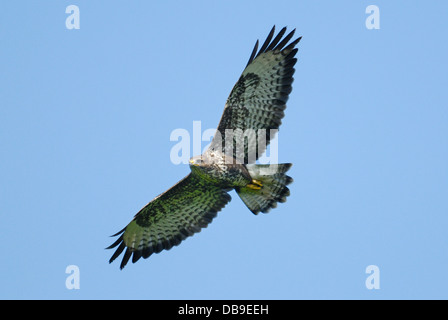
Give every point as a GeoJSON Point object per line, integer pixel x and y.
{"type": "Point", "coordinates": [292, 44]}
{"type": "Point", "coordinates": [285, 40]}
{"type": "Point", "coordinates": [266, 43]}
{"type": "Point", "coordinates": [126, 257]}
{"type": "Point", "coordinates": [254, 52]}
{"type": "Point", "coordinates": [118, 251]}
{"type": "Point", "coordinates": [136, 256]}
{"type": "Point", "coordinates": [116, 243]}
{"type": "Point", "coordinates": [276, 39]}
{"type": "Point", "coordinates": [119, 232]}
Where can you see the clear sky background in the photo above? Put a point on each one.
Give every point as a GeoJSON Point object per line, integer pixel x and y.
{"type": "Point", "coordinates": [85, 123]}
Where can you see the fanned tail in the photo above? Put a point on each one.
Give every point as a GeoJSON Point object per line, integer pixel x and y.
{"type": "Point", "coordinates": [268, 187]}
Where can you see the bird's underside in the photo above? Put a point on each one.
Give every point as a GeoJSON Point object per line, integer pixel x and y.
{"type": "Point", "coordinates": [253, 111]}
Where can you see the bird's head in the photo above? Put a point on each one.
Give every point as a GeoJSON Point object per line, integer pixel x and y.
{"type": "Point", "coordinates": [197, 161]}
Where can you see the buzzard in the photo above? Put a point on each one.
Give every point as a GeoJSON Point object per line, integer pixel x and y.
{"type": "Point", "coordinates": [252, 114]}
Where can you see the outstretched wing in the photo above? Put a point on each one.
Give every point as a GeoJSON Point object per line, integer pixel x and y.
{"type": "Point", "coordinates": [258, 99]}
{"type": "Point", "coordinates": [178, 213]}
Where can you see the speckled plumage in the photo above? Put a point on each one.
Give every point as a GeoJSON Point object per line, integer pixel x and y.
{"type": "Point", "coordinates": [252, 113]}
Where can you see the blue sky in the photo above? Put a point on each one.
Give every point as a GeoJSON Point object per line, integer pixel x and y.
{"type": "Point", "coordinates": [85, 123]}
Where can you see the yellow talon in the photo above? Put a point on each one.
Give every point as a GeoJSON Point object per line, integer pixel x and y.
{"type": "Point", "coordinates": [255, 185]}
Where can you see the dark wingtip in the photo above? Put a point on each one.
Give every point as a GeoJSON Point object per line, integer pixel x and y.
{"type": "Point", "coordinates": [116, 243]}
{"type": "Point", "coordinates": [118, 251]}
{"type": "Point", "coordinates": [121, 246]}
{"type": "Point", "coordinates": [254, 52]}
{"type": "Point", "coordinates": [285, 40]}
{"type": "Point", "coordinates": [277, 43]}
{"type": "Point", "coordinates": [293, 44]}
{"type": "Point", "coordinates": [119, 232]}
{"type": "Point", "coordinates": [276, 40]}
{"type": "Point", "coordinates": [267, 41]}
{"type": "Point", "coordinates": [126, 257]}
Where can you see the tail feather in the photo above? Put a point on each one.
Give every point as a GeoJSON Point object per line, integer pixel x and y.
{"type": "Point", "coordinates": [274, 187]}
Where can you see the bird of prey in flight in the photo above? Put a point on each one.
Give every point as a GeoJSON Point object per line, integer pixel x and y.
{"type": "Point", "coordinates": [253, 111]}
